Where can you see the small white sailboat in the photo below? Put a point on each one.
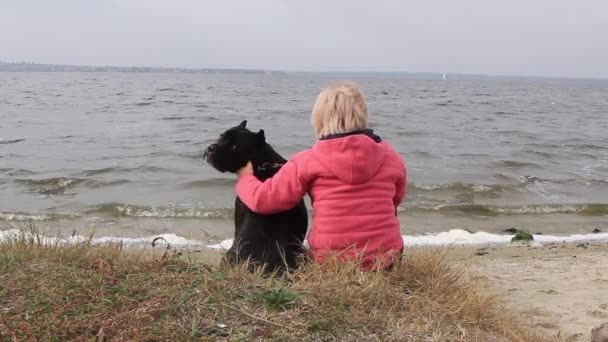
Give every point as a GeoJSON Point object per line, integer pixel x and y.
{"type": "Point", "coordinates": [443, 77]}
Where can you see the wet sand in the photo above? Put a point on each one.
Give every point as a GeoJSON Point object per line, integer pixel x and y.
{"type": "Point", "coordinates": [560, 289]}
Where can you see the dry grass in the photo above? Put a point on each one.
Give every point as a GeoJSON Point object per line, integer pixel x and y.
{"type": "Point", "coordinates": [104, 293]}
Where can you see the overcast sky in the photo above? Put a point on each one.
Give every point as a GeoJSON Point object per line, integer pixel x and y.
{"type": "Point", "coordinates": [508, 37]}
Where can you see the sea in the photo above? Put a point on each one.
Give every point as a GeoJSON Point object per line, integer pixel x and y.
{"type": "Point", "coordinates": [119, 155]}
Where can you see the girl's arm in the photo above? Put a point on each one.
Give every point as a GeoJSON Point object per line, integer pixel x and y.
{"type": "Point", "coordinates": [280, 193]}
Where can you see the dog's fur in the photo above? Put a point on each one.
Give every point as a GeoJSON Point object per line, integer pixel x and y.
{"type": "Point", "coordinates": [273, 242]}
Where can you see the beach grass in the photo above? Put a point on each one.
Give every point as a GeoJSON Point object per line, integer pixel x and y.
{"type": "Point", "coordinates": [85, 292]}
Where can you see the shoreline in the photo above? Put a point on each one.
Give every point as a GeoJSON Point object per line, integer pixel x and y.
{"type": "Point", "coordinates": [216, 235]}
{"type": "Point", "coordinates": [216, 229]}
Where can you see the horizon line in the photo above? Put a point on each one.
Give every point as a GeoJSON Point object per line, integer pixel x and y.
{"type": "Point", "coordinates": [323, 71]}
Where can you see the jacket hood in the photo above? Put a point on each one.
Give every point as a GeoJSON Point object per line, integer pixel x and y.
{"type": "Point", "coordinates": [353, 157]}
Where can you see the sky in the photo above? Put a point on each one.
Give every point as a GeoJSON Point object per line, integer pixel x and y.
{"type": "Point", "coordinates": [495, 37]}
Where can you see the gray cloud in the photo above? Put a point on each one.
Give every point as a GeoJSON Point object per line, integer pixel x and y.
{"type": "Point", "coordinates": [516, 37]}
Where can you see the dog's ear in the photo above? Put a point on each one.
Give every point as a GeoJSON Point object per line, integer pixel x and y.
{"type": "Point", "coordinates": [243, 124]}
{"type": "Point", "coordinates": [261, 137]}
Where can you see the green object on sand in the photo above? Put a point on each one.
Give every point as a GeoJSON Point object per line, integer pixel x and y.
{"type": "Point", "coordinates": [521, 235]}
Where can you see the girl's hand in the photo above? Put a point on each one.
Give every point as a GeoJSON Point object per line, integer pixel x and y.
{"type": "Point", "coordinates": [247, 169]}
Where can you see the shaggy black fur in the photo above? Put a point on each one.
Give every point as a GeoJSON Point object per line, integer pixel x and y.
{"type": "Point", "coordinates": [271, 241]}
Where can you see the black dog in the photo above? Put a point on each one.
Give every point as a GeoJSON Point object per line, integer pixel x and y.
{"type": "Point", "coordinates": [273, 242]}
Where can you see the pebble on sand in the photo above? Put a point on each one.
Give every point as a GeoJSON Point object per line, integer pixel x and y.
{"type": "Point", "coordinates": [600, 334]}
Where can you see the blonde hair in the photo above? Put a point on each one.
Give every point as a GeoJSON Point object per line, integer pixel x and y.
{"type": "Point", "coordinates": [339, 108]}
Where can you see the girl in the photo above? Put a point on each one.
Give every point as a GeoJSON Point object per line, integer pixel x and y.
{"type": "Point", "coordinates": [354, 179]}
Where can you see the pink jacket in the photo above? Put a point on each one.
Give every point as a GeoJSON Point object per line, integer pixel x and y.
{"type": "Point", "coordinates": [355, 183]}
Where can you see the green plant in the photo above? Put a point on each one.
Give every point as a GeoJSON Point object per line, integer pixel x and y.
{"type": "Point", "coordinates": [281, 298]}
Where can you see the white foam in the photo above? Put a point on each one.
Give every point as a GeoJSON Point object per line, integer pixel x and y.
{"type": "Point", "coordinates": [18, 217]}
{"type": "Point", "coordinates": [463, 237]}
{"type": "Point", "coordinates": [572, 238]}
{"type": "Point", "coordinates": [171, 239]}
{"type": "Point", "coordinates": [453, 237]}
{"type": "Point", "coordinates": [6, 235]}
{"type": "Point", "coordinates": [224, 245]}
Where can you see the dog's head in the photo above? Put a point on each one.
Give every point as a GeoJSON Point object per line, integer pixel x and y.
{"type": "Point", "coordinates": [234, 148]}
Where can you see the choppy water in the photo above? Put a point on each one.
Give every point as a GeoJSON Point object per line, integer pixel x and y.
{"type": "Point", "coordinates": [116, 148]}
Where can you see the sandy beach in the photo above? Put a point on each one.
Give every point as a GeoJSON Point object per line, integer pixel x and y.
{"type": "Point", "coordinates": [560, 289]}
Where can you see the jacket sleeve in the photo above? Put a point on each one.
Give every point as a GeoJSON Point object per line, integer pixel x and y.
{"type": "Point", "coordinates": [280, 193]}
{"type": "Point", "coordinates": [401, 187]}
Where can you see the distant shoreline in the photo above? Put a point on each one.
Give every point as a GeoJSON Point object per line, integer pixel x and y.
{"type": "Point", "coordinates": [37, 67]}
{"type": "Point", "coordinates": [429, 75]}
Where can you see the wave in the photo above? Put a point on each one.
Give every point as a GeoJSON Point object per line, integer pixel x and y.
{"type": "Point", "coordinates": [66, 182]}
{"type": "Point", "coordinates": [137, 169]}
{"type": "Point", "coordinates": [177, 118]}
{"type": "Point", "coordinates": [50, 186]}
{"type": "Point", "coordinates": [55, 181]}
{"type": "Point", "coordinates": [218, 182]}
{"type": "Point", "coordinates": [572, 181]}
{"type": "Point", "coordinates": [126, 210]}
{"type": "Point", "coordinates": [409, 133]}
{"type": "Point", "coordinates": [589, 209]}
{"type": "Point", "coordinates": [519, 184]}
{"type": "Point", "coordinates": [551, 189]}
{"type": "Point", "coordinates": [465, 187]}
{"type": "Point", "coordinates": [95, 172]}
{"type": "Point", "coordinates": [583, 146]}
{"type": "Point", "coordinates": [159, 212]}
{"type": "Point", "coordinates": [454, 237]}
{"type": "Point", "coordinates": [10, 141]}
{"type": "Point", "coordinates": [16, 172]}
{"type": "Point", "coordinates": [514, 164]}
{"type": "Point", "coordinates": [59, 185]}
{"type": "Point", "coordinates": [543, 154]}
{"type": "Point", "coordinates": [28, 217]}
{"type": "Point", "coordinates": [198, 155]}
